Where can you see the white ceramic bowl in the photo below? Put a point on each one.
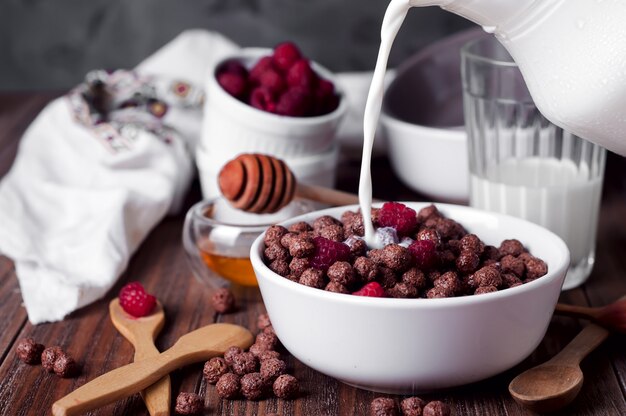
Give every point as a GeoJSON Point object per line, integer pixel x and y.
{"type": "Point", "coordinates": [422, 121]}
{"type": "Point", "coordinates": [412, 345]}
{"type": "Point", "coordinates": [231, 127]}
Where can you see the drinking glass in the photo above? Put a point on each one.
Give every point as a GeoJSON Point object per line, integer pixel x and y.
{"type": "Point", "coordinates": [523, 165]}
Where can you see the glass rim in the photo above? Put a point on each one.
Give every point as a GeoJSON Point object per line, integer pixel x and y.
{"type": "Point", "coordinates": [198, 212]}
{"type": "Point", "coordinates": [466, 52]}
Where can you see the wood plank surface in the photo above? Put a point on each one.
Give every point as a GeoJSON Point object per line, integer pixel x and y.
{"type": "Point", "coordinates": [161, 265]}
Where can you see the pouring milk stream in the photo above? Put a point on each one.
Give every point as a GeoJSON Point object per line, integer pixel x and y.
{"type": "Point", "coordinates": [572, 55]}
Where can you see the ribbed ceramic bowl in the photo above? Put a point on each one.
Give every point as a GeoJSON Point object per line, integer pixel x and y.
{"type": "Point", "coordinates": [412, 345]}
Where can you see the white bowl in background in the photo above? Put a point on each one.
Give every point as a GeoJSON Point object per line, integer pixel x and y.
{"type": "Point", "coordinates": [422, 119]}
{"type": "Point", "coordinates": [231, 127]}
{"type": "Point", "coordinates": [412, 345]}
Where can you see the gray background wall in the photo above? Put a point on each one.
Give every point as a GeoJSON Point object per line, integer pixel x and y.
{"type": "Point", "coordinates": [51, 44]}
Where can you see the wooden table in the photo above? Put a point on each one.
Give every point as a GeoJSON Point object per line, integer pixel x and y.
{"type": "Point", "coordinates": [160, 264]}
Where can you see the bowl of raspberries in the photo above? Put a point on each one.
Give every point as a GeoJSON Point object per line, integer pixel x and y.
{"type": "Point", "coordinates": [447, 295]}
{"type": "Point", "coordinates": [274, 101]}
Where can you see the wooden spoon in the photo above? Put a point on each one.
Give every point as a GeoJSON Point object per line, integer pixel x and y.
{"type": "Point", "coordinates": [555, 384]}
{"type": "Point", "coordinates": [199, 345]}
{"type": "Point", "coordinates": [260, 183]}
{"type": "Point", "coordinates": [141, 332]}
{"type": "Point", "coordinates": [612, 316]}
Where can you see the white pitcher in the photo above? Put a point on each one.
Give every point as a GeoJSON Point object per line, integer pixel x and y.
{"type": "Point", "coordinates": [572, 54]}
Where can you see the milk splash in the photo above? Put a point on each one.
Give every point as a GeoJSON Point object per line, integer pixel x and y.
{"type": "Point", "coordinates": [394, 16]}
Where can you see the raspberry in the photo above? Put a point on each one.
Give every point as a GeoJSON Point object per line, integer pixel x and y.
{"type": "Point", "coordinates": [285, 54]}
{"type": "Point", "coordinates": [425, 254]}
{"type": "Point", "coordinates": [326, 101]}
{"type": "Point", "coordinates": [327, 252]}
{"type": "Point", "coordinates": [272, 80]}
{"type": "Point", "coordinates": [371, 290]}
{"type": "Point", "coordinates": [234, 84]}
{"type": "Point", "coordinates": [295, 102]}
{"type": "Point", "coordinates": [263, 99]}
{"type": "Point", "coordinates": [233, 67]}
{"type": "Point", "coordinates": [264, 64]}
{"type": "Point", "coordinates": [301, 75]}
{"type": "Point", "coordinates": [135, 301]}
{"type": "Point", "coordinates": [398, 216]}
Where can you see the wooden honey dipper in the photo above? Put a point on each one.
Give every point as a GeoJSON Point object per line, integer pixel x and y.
{"type": "Point", "coordinates": [263, 184]}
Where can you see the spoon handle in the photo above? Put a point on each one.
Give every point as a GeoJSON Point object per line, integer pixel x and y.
{"type": "Point", "coordinates": [576, 311]}
{"type": "Point", "coordinates": [586, 341]}
{"type": "Point", "coordinates": [158, 396]}
{"type": "Point", "coordinates": [119, 383]}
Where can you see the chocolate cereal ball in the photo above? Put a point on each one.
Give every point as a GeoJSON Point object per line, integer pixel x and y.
{"type": "Point", "coordinates": [263, 321]}
{"type": "Point", "coordinates": [49, 356]}
{"type": "Point", "coordinates": [214, 369]}
{"type": "Point", "coordinates": [230, 353]}
{"type": "Point", "coordinates": [29, 351]}
{"type": "Point", "coordinates": [223, 300]}
{"type": "Point", "coordinates": [383, 406]}
{"type": "Point", "coordinates": [228, 385]}
{"type": "Point", "coordinates": [412, 406]}
{"type": "Point", "coordinates": [286, 386]}
{"type": "Point", "coordinates": [267, 339]}
{"type": "Point", "coordinates": [436, 408]}
{"type": "Point", "coordinates": [252, 386]}
{"type": "Point", "coordinates": [65, 366]}
{"type": "Point", "coordinates": [244, 363]}
{"type": "Point", "coordinates": [189, 404]}
{"type": "Point", "coordinates": [272, 368]}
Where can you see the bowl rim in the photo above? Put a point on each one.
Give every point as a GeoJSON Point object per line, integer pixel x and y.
{"type": "Point", "coordinates": [452, 134]}
{"type": "Point", "coordinates": [414, 303]}
{"type": "Point", "coordinates": [255, 53]}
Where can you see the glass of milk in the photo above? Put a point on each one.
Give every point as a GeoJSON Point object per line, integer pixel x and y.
{"type": "Point", "coordinates": [523, 165]}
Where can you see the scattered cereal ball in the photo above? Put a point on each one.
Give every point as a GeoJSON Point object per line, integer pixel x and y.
{"type": "Point", "coordinates": [244, 363]}
{"type": "Point", "coordinates": [268, 340]}
{"type": "Point", "coordinates": [383, 406]}
{"type": "Point", "coordinates": [266, 355]}
{"type": "Point", "coordinates": [412, 406]}
{"type": "Point", "coordinates": [286, 386]}
{"type": "Point", "coordinates": [65, 366]}
{"type": "Point", "coordinates": [49, 356]}
{"type": "Point", "coordinates": [189, 404]}
{"type": "Point", "coordinates": [263, 321]}
{"type": "Point", "coordinates": [252, 386]}
{"type": "Point", "coordinates": [214, 369]}
{"type": "Point", "coordinates": [272, 368]}
{"type": "Point", "coordinates": [223, 300]}
{"type": "Point", "coordinates": [231, 352]}
{"type": "Point", "coordinates": [436, 408]}
{"type": "Point", "coordinates": [269, 330]}
{"type": "Point", "coordinates": [257, 349]}
{"type": "Point", "coordinates": [29, 351]}
{"type": "Point", "coordinates": [228, 385]}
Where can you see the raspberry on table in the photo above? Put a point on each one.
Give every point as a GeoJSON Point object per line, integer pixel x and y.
{"type": "Point", "coordinates": [398, 216]}
{"type": "Point", "coordinates": [285, 55]}
{"type": "Point", "coordinates": [327, 252]}
{"type": "Point", "coordinates": [372, 290]}
{"type": "Point", "coordinates": [135, 301]}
